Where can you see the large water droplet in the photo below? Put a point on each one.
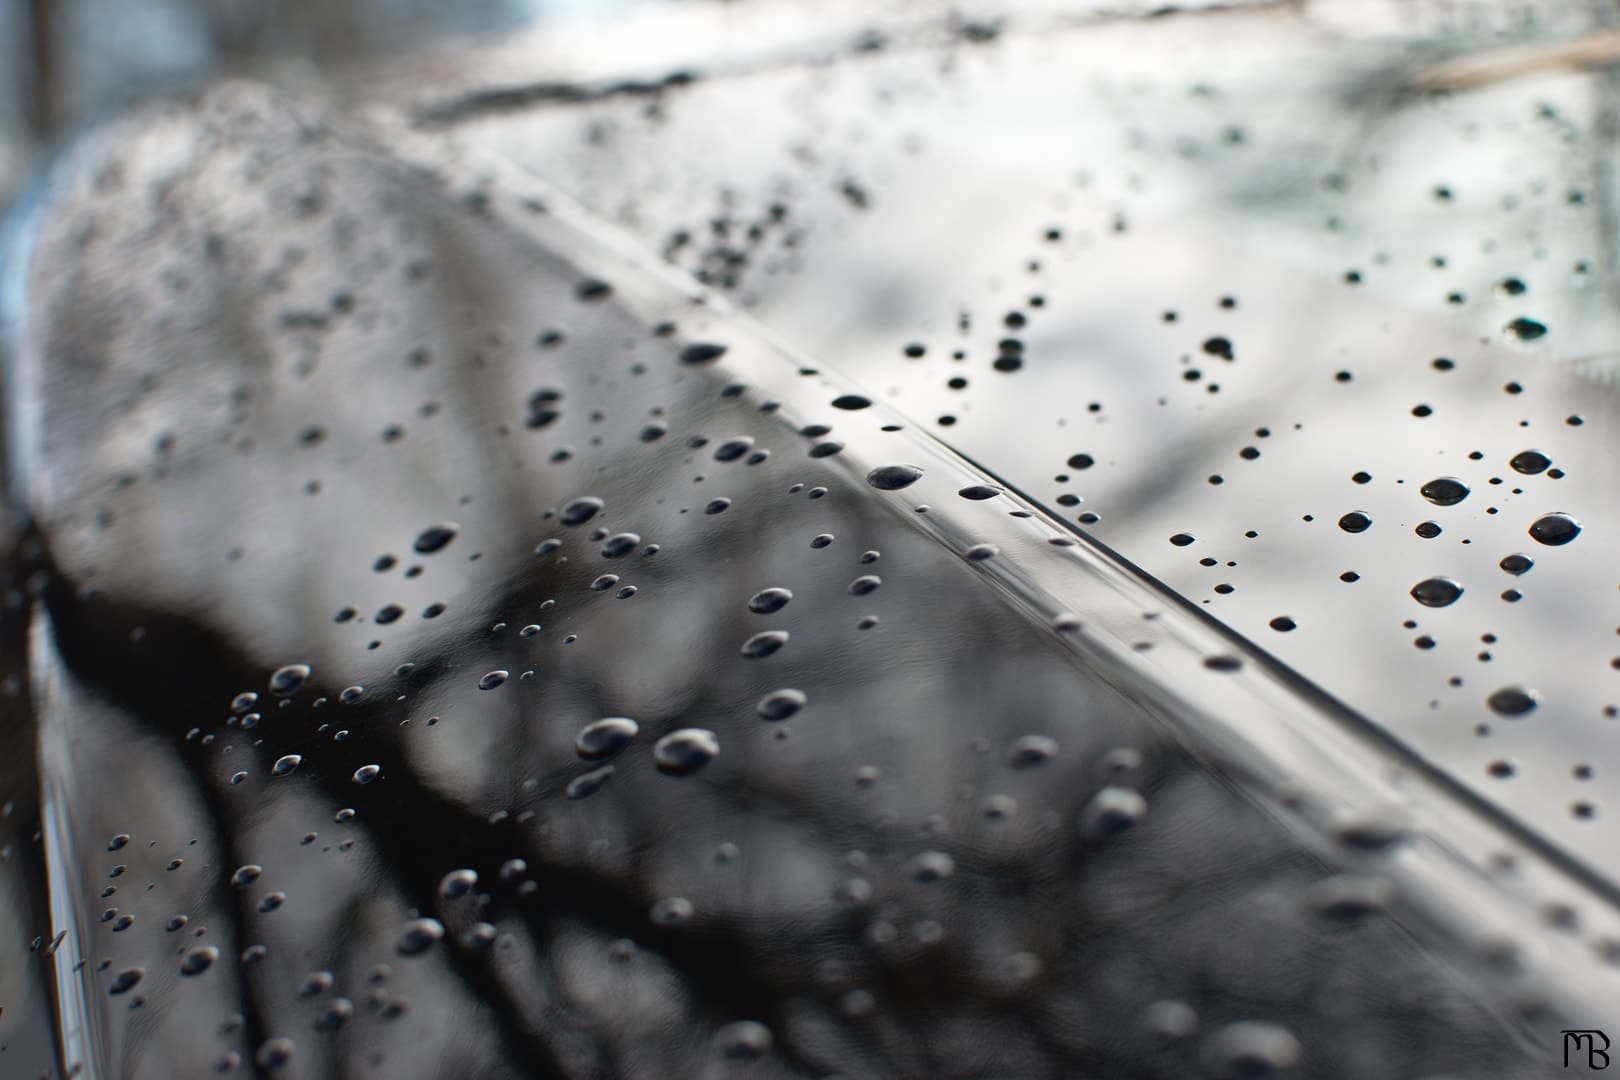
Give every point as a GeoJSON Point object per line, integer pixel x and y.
{"type": "Point", "coordinates": [979, 492]}
{"type": "Point", "coordinates": [1436, 592]}
{"type": "Point", "coordinates": [893, 477]}
{"type": "Point", "coordinates": [852, 402]}
{"type": "Point", "coordinates": [683, 752]}
{"type": "Point", "coordinates": [246, 875]}
{"type": "Point", "coordinates": [1530, 462]}
{"type": "Point", "coordinates": [286, 764]}
{"type": "Point", "coordinates": [1355, 521]}
{"type": "Point", "coordinates": [1444, 491]}
{"type": "Point", "coordinates": [1555, 529]}
{"type": "Point", "coordinates": [493, 679]}
{"type": "Point", "coordinates": [365, 774]}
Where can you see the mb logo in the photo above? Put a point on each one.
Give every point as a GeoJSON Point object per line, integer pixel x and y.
{"type": "Point", "coordinates": [1590, 1048]}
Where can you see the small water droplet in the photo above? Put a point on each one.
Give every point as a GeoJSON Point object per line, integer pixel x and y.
{"type": "Point", "coordinates": [781, 704]}
{"type": "Point", "coordinates": [581, 510]}
{"type": "Point", "coordinates": [198, 960]}
{"type": "Point", "coordinates": [1355, 521]}
{"type": "Point", "coordinates": [603, 738]}
{"type": "Point", "coordinates": [458, 883]}
{"type": "Point", "coordinates": [771, 600]}
{"type": "Point", "coordinates": [764, 643]}
{"type": "Point", "coordinates": [246, 875]}
{"type": "Point", "coordinates": [493, 679]}
{"type": "Point", "coordinates": [289, 680]}
{"type": "Point", "coordinates": [864, 584]}
{"type": "Point", "coordinates": [979, 492]}
{"type": "Point", "coordinates": [1513, 701]}
{"type": "Point", "coordinates": [701, 353]}
{"type": "Point", "coordinates": [365, 774]}
{"type": "Point", "coordinates": [620, 544]}
{"type": "Point", "coordinates": [852, 402]}
{"type": "Point", "coordinates": [1028, 751]}
{"type": "Point", "coordinates": [1525, 329]}
{"type": "Point", "coordinates": [1516, 564]}
{"type": "Point", "coordinates": [419, 936]}
{"type": "Point", "coordinates": [286, 764]}
{"type": "Point", "coordinates": [1112, 810]}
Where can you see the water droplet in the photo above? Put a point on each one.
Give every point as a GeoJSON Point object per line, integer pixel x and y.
{"type": "Point", "coordinates": [1349, 897]}
{"type": "Point", "coordinates": [1530, 462]}
{"type": "Point", "coordinates": [685, 751]}
{"type": "Point", "coordinates": [826, 449]}
{"type": "Point", "coordinates": [732, 449]}
{"type": "Point", "coordinates": [244, 701]}
{"type": "Point", "coordinates": [930, 866]}
{"type": "Point", "coordinates": [275, 1053]}
{"type": "Point", "coordinates": [717, 506]}
{"type": "Point", "coordinates": [1250, 1050]}
{"type": "Point", "coordinates": [458, 883]}
{"type": "Point", "coordinates": [781, 704]}
{"type": "Point", "coordinates": [1516, 564]}
{"type": "Point", "coordinates": [979, 492]}
{"type": "Point", "coordinates": [436, 538]}
{"type": "Point", "coordinates": [286, 764]}
{"type": "Point", "coordinates": [603, 738]}
{"type": "Point", "coordinates": [604, 582]}
{"type": "Point", "coordinates": [745, 1040]}
{"type": "Point", "coordinates": [620, 544]}
{"type": "Point", "coordinates": [351, 694]}
{"type": "Point", "coordinates": [419, 936]}
{"type": "Point", "coordinates": [1183, 539]}
{"type": "Point", "coordinates": [289, 680]}
{"type": "Point", "coordinates": [1524, 329]}
{"type": "Point", "coordinates": [767, 601]}
{"type": "Point", "coordinates": [581, 510]}
{"type": "Point", "coordinates": [1444, 491]}
{"type": "Point", "coordinates": [1436, 592]}
{"type": "Point", "coordinates": [1555, 530]}
{"type": "Point", "coordinates": [1112, 810]}
{"type": "Point", "coordinates": [1283, 624]}
{"type": "Point", "coordinates": [893, 477]}
{"type": "Point", "coordinates": [821, 541]}
{"type": "Point", "coordinates": [852, 402]}
{"type": "Point", "coordinates": [1222, 663]}
{"type": "Point", "coordinates": [864, 584]}
{"type": "Point", "coordinates": [1428, 529]}
{"type": "Point", "coordinates": [118, 843]}
{"type": "Point", "coordinates": [126, 980]}
{"type": "Point", "coordinates": [1355, 521]}
{"type": "Point", "coordinates": [1513, 701]}
{"type": "Point", "coordinates": [590, 783]}
{"type": "Point", "coordinates": [198, 960]}
{"type": "Point", "coordinates": [246, 875]}
{"type": "Point", "coordinates": [672, 911]}
{"type": "Point", "coordinates": [764, 643]}
{"type": "Point", "coordinates": [1028, 751]}
{"type": "Point", "coordinates": [493, 679]}
{"type": "Point", "coordinates": [365, 774]}
{"type": "Point", "coordinates": [1170, 1021]}
{"type": "Point", "coordinates": [701, 353]}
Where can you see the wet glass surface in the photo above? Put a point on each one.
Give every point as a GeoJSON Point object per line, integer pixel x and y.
{"type": "Point", "coordinates": [456, 642]}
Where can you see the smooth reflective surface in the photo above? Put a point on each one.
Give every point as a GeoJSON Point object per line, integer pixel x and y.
{"type": "Point", "coordinates": [456, 644]}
